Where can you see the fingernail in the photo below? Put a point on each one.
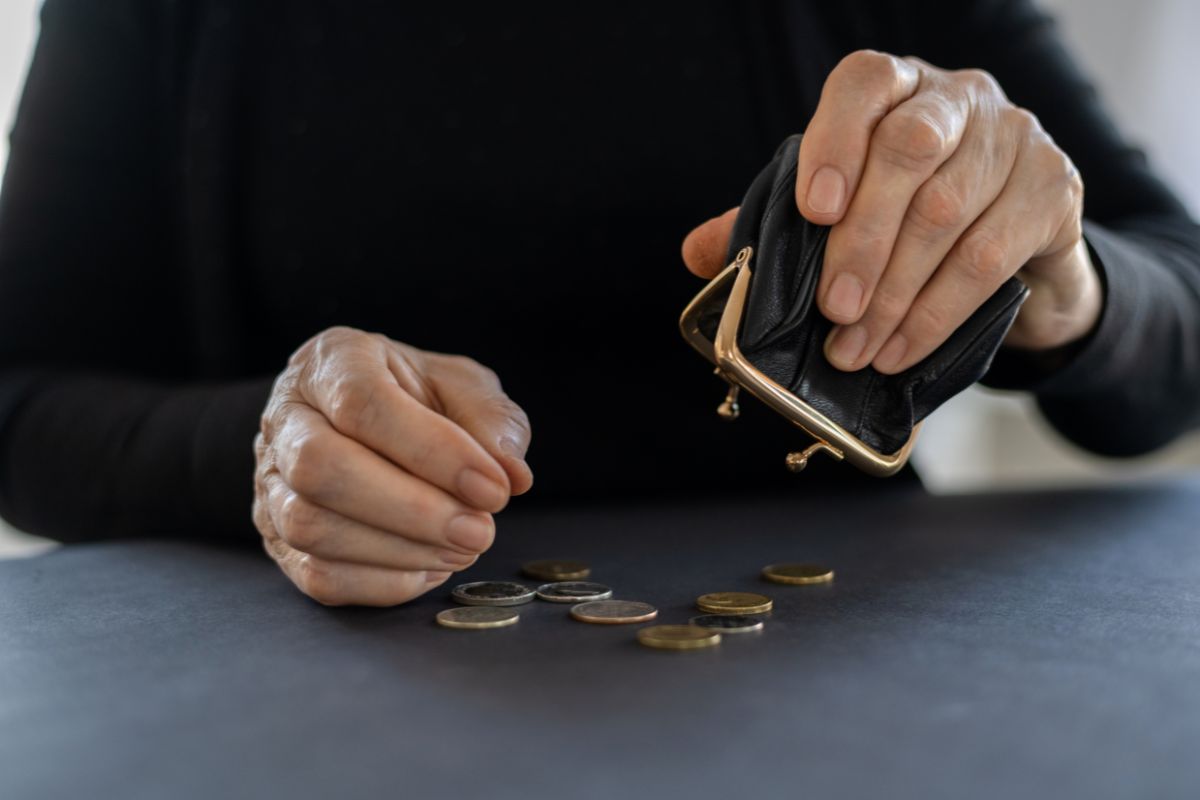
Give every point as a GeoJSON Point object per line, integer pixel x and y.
{"type": "Point", "coordinates": [481, 491]}
{"type": "Point", "coordinates": [846, 346]}
{"type": "Point", "coordinates": [892, 353]}
{"type": "Point", "coordinates": [455, 558]}
{"type": "Point", "coordinates": [826, 191]}
{"type": "Point", "coordinates": [844, 297]}
{"type": "Point", "coordinates": [470, 532]}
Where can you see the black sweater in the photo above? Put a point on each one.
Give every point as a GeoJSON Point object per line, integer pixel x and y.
{"type": "Point", "coordinates": [197, 186]}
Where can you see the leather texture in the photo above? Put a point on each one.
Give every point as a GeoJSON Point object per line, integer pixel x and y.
{"type": "Point", "coordinates": [783, 333]}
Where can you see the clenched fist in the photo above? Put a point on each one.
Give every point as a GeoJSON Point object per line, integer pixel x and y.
{"type": "Point", "coordinates": [380, 466]}
{"type": "Point", "coordinates": [938, 190]}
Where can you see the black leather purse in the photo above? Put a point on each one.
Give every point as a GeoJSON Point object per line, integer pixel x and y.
{"type": "Point", "coordinates": [758, 323]}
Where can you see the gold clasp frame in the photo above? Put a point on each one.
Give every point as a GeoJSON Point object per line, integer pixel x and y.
{"type": "Point", "coordinates": [733, 284]}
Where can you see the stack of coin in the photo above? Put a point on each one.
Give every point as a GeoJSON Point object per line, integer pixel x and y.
{"type": "Point", "coordinates": [492, 593]}
{"type": "Point", "coordinates": [733, 603]}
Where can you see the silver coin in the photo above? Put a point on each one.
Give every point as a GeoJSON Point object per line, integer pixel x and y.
{"type": "Point", "coordinates": [492, 593]}
{"type": "Point", "coordinates": [613, 612]}
{"type": "Point", "coordinates": [477, 617]}
{"type": "Point", "coordinates": [573, 591]}
{"type": "Point", "coordinates": [728, 623]}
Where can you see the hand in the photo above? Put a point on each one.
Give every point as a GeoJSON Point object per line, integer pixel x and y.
{"type": "Point", "coordinates": [938, 190]}
{"type": "Point", "coordinates": [380, 465]}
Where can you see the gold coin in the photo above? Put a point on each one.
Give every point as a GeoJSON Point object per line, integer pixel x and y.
{"type": "Point", "coordinates": [734, 603]}
{"type": "Point", "coordinates": [477, 617]}
{"type": "Point", "coordinates": [678, 637]}
{"type": "Point", "coordinates": [797, 574]}
{"type": "Point", "coordinates": [551, 569]}
{"type": "Point", "coordinates": [613, 612]}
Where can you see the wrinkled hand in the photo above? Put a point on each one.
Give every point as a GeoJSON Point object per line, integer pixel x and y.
{"type": "Point", "coordinates": [380, 465]}
{"type": "Point", "coordinates": [938, 190]}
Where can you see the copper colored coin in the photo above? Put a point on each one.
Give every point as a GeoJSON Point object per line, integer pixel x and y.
{"type": "Point", "coordinates": [614, 612]}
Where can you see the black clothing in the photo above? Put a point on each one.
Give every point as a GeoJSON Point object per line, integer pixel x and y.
{"type": "Point", "coordinates": [196, 187]}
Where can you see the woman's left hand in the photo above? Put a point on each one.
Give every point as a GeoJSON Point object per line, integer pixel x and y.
{"type": "Point", "coordinates": [938, 190]}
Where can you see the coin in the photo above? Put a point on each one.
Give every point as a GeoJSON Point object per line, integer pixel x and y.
{"type": "Point", "coordinates": [678, 637]}
{"type": "Point", "coordinates": [613, 612]}
{"type": "Point", "coordinates": [551, 569]}
{"type": "Point", "coordinates": [797, 574]}
{"type": "Point", "coordinates": [728, 623]}
{"type": "Point", "coordinates": [734, 603]}
{"type": "Point", "coordinates": [492, 593]}
{"type": "Point", "coordinates": [573, 592]}
{"type": "Point", "coordinates": [477, 617]}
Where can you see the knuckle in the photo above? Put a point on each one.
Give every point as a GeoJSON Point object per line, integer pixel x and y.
{"type": "Point", "coordinates": [261, 517]}
{"type": "Point", "coordinates": [1023, 120]}
{"type": "Point", "coordinates": [869, 67]}
{"type": "Point", "coordinates": [426, 505]}
{"type": "Point", "coordinates": [299, 523]}
{"type": "Point", "coordinates": [912, 141]}
{"type": "Point", "coordinates": [428, 450]}
{"type": "Point", "coordinates": [926, 323]}
{"type": "Point", "coordinates": [472, 367]}
{"type": "Point", "coordinates": [888, 307]}
{"type": "Point", "coordinates": [1074, 184]}
{"type": "Point", "coordinates": [938, 206]}
{"type": "Point", "coordinates": [315, 578]}
{"type": "Point", "coordinates": [307, 469]}
{"type": "Point", "coordinates": [352, 405]}
{"type": "Point", "coordinates": [980, 80]}
{"type": "Point", "coordinates": [984, 257]}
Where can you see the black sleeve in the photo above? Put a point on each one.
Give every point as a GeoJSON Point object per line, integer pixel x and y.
{"type": "Point", "coordinates": [1134, 384]}
{"type": "Point", "coordinates": [102, 431]}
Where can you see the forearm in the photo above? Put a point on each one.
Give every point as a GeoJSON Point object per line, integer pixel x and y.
{"type": "Point", "coordinates": [85, 456]}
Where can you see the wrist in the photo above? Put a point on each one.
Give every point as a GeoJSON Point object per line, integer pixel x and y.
{"type": "Point", "coordinates": [1065, 301]}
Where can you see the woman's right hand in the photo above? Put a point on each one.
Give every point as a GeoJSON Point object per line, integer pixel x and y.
{"type": "Point", "coordinates": [380, 466]}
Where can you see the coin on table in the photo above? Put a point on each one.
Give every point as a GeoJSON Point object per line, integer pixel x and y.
{"type": "Point", "coordinates": [678, 637]}
{"type": "Point", "coordinates": [553, 569]}
{"type": "Point", "coordinates": [734, 603]}
{"type": "Point", "coordinates": [797, 574]}
{"type": "Point", "coordinates": [613, 612]}
{"type": "Point", "coordinates": [477, 617]}
{"type": "Point", "coordinates": [728, 623]}
{"type": "Point", "coordinates": [573, 592]}
{"type": "Point", "coordinates": [492, 593]}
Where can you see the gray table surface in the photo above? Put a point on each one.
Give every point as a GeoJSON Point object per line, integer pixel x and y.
{"type": "Point", "coordinates": [1024, 645]}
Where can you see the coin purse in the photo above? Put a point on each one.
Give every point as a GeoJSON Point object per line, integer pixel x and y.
{"type": "Point", "coordinates": [757, 322]}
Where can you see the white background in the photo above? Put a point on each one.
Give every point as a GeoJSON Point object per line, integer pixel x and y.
{"type": "Point", "coordinates": [1143, 56]}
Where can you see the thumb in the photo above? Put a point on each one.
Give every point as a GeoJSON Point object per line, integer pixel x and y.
{"type": "Point", "coordinates": [705, 247]}
{"type": "Point", "coordinates": [471, 396]}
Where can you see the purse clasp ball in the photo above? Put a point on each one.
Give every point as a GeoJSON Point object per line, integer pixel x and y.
{"type": "Point", "coordinates": [730, 288]}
